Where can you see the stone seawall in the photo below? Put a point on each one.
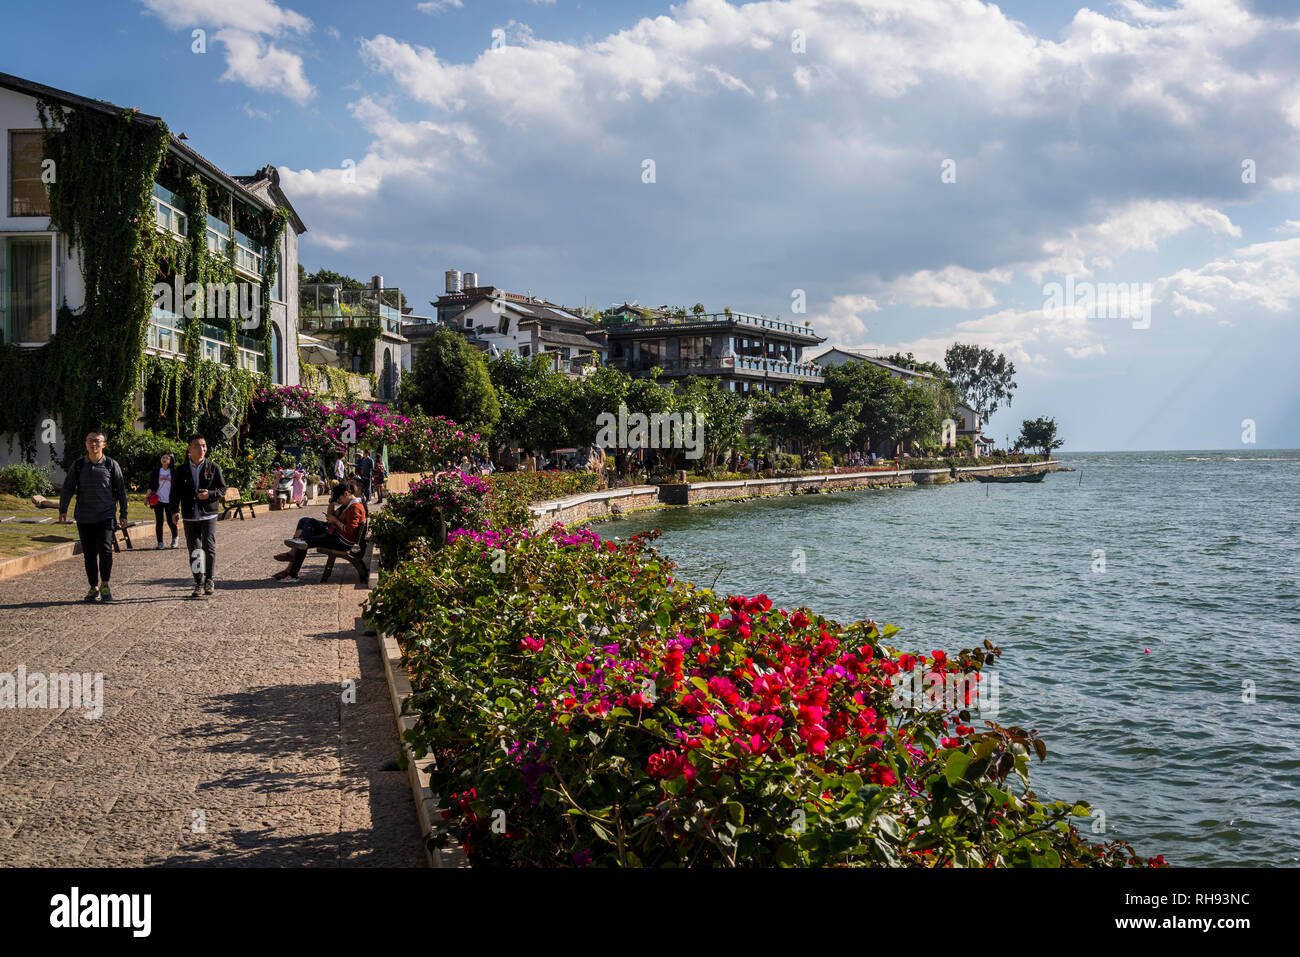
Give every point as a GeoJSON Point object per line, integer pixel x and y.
{"type": "Point", "coordinates": [597, 505]}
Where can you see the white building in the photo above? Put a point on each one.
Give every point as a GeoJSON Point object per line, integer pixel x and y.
{"type": "Point", "coordinates": [40, 273]}
{"type": "Point", "coordinates": [498, 321]}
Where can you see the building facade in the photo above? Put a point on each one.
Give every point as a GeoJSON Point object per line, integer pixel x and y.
{"type": "Point", "coordinates": [357, 332]}
{"type": "Point", "coordinates": [41, 274]}
{"type": "Point", "coordinates": [497, 321]}
{"type": "Point", "coordinates": [745, 353]}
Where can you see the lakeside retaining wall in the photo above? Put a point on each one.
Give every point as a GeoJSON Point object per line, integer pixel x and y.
{"type": "Point", "coordinates": [591, 506]}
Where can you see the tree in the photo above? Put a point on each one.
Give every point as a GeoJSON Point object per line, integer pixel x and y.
{"type": "Point", "coordinates": [723, 412]}
{"type": "Point", "coordinates": [919, 417]}
{"type": "Point", "coordinates": [522, 387]}
{"type": "Point", "coordinates": [903, 361]}
{"type": "Point", "coordinates": [866, 403]}
{"type": "Point", "coordinates": [1039, 433]}
{"type": "Point", "coordinates": [985, 378]}
{"type": "Point", "coordinates": [698, 309]}
{"type": "Point", "coordinates": [450, 378]}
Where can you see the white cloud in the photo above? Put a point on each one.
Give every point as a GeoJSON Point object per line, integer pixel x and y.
{"type": "Point", "coordinates": [264, 66]}
{"type": "Point", "coordinates": [255, 16]}
{"type": "Point", "coordinates": [843, 320]}
{"type": "Point", "coordinates": [437, 6]}
{"type": "Point", "coordinates": [423, 148]}
{"type": "Point", "coordinates": [1140, 225]}
{"type": "Point", "coordinates": [244, 29]}
{"type": "Point", "coordinates": [1262, 275]}
{"type": "Point", "coordinates": [953, 287]}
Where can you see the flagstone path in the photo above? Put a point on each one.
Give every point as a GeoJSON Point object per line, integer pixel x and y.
{"type": "Point", "coordinates": [225, 739]}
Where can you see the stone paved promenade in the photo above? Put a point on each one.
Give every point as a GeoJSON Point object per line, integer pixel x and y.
{"type": "Point", "coordinates": [224, 738]}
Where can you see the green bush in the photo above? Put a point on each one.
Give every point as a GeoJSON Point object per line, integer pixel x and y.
{"type": "Point", "coordinates": [435, 505]}
{"type": "Point", "coordinates": [26, 480]}
{"type": "Point", "coordinates": [510, 493]}
{"type": "Point", "coordinates": [138, 454]}
{"type": "Point", "coordinates": [618, 716]}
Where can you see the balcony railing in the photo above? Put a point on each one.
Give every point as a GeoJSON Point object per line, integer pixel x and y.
{"type": "Point", "coordinates": [757, 365]}
{"type": "Point", "coordinates": [248, 254]}
{"type": "Point", "coordinates": [167, 337]}
{"type": "Point", "coordinates": [168, 211]}
{"type": "Point", "coordinates": [323, 306]}
{"type": "Point", "coordinates": [714, 319]}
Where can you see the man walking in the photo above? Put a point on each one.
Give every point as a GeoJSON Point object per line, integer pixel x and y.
{"type": "Point", "coordinates": [98, 483]}
{"type": "Point", "coordinates": [200, 487]}
{"type": "Point", "coordinates": [365, 470]}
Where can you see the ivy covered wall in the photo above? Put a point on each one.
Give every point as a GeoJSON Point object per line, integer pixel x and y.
{"type": "Point", "coordinates": [92, 370]}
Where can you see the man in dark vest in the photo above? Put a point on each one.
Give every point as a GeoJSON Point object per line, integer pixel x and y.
{"type": "Point", "coordinates": [98, 483]}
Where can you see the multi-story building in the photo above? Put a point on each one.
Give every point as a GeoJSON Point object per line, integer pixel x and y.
{"type": "Point", "coordinates": [498, 321]}
{"type": "Point", "coordinates": [746, 353]}
{"type": "Point", "coordinates": [357, 331]}
{"type": "Point", "coordinates": [42, 274]}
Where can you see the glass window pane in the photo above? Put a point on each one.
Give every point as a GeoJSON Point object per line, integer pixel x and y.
{"type": "Point", "coordinates": [27, 196]}
{"type": "Point", "coordinates": [27, 280]}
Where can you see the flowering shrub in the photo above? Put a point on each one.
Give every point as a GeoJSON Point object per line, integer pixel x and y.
{"type": "Point", "coordinates": [510, 493]}
{"type": "Point", "coordinates": [433, 506]}
{"type": "Point", "coordinates": [605, 713]}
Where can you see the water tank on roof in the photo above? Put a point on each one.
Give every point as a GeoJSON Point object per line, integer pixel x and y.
{"type": "Point", "coordinates": [453, 281]}
{"type": "Point", "coordinates": [471, 280]}
{"type": "Point", "coordinates": [376, 282]}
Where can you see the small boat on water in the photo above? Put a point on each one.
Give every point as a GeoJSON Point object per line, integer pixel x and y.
{"type": "Point", "coordinates": [1007, 479]}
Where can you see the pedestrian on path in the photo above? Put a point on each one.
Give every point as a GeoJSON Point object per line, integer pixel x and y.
{"type": "Point", "coordinates": [98, 483]}
{"type": "Point", "coordinates": [200, 487]}
{"type": "Point", "coordinates": [163, 499]}
{"type": "Point", "coordinates": [341, 529]}
{"type": "Point", "coordinates": [338, 468]}
{"type": "Point", "coordinates": [365, 471]}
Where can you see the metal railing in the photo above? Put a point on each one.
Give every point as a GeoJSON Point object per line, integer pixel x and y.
{"type": "Point", "coordinates": [713, 319]}
{"type": "Point", "coordinates": [324, 306]}
{"type": "Point", "coordinates": [167, 337]}
{"type": "Point", "coordinates": [723, 364]}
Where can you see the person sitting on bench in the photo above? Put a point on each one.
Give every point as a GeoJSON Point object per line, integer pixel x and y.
{"type": "Point", "coordinates": [341, 529]}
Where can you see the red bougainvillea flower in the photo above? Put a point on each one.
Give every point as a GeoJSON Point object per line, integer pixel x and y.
{"type": "Point", "coordinates": [667, 764]}
{"type": "Point", "coordinates": [799, 620]}
{"type": "Point", "coordinates": [950, 742]}
{"type": "Point", "coordinates": [906, 662]}
{"type": "Point", "coordinates": [883, 776]}
{"type": "Point", "coordinates": [637, 700]}
{"type": "Point", "coordinates": [532, 644]}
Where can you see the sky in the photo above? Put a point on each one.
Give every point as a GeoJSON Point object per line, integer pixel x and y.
{"type": "Point", "coordinates": [902, 174]}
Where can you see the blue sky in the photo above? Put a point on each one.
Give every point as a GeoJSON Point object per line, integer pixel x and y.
{"type": "Point", "coordinates": [1095, 146]}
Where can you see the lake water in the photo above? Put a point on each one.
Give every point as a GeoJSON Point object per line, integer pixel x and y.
{"type": "Point", "coordinates": [1137, 676]}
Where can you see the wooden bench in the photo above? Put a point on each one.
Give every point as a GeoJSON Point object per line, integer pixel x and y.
{"type": "Point", "coordinates": [234, 503]}
{"type": "Point", "coordinates": [357, 556]}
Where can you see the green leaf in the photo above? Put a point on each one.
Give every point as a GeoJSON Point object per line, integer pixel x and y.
{"type": "Point", "coordinates": [955, 767]}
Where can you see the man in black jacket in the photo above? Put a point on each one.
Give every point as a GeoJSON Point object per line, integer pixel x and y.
{"type": "Point", "coordinates": [199, 488]}
{"type": "Point", "coordinates": [98, 483]}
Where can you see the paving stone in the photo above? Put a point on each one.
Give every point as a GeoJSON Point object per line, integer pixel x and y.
{"type": "Point", "coordinates": [229, 706]}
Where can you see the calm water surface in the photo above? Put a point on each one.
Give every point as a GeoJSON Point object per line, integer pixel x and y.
{"type": "Point", "coordinates": [1201, 568]}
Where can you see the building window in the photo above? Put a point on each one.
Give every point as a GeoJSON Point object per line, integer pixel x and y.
{"type": "Point", "coordinates": [503, 327]}
{"type": "Point", "coordinates": [647, 353]}
{"type": "Point", "coordinates": [27, 288]}
{"type": "Point", "coordinates": [274, 349]}
{"type": "Point", "coordinates": [523, 351]}
{"type": "Point", "coordinates": [27, 196]}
